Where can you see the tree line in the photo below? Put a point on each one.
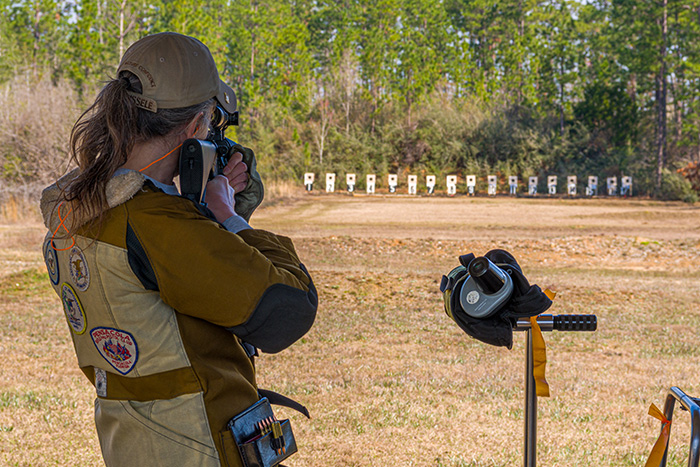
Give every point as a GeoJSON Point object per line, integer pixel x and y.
{"type": "Point", "coordinates": [511, 87]}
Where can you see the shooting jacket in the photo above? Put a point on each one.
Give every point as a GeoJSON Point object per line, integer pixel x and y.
{"type": "Point", "coordinates": [158, 302]}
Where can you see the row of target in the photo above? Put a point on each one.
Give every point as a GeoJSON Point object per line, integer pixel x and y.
{"type": "Point", "coordinates": [591, 189]}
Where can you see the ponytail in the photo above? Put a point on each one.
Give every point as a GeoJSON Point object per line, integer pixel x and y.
{"type": "Point", "coordinates": [104, 136]}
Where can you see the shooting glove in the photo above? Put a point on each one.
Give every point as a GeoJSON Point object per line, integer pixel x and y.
{"type": "Point", "coordinates": [526, 300]}
{"type": "Point", "coordinates": [251, 197]}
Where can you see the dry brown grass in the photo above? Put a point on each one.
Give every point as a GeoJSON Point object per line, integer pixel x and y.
{"type": "Point", "coordinates": [16, 209]}
{"type": "Point", "coordinates": [35, 122]}
{"type": "Point", "coordinates": [280, 191]}
{"type": "Point", "coordinates": [389, 379]}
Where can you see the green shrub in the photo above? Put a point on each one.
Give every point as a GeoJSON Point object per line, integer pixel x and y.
{"type": "Point", "coordinates": [676, 187]}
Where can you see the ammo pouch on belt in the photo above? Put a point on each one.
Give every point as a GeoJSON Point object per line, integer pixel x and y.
{"type": "Point", "coordinates": [526, 300]}
{"type": "Point", "coordinates": [262, 440]}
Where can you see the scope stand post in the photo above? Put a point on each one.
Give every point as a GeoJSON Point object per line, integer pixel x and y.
{"type": "Point", "coordinates": [546, 323]}
{"type": "Point", "coordinates": [530, 446]}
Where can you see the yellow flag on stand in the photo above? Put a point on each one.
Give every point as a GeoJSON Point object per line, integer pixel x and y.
{"type": "Point", "coordinates": [657, 452]}
{"type": "Point", "coordinates": [539, 359]}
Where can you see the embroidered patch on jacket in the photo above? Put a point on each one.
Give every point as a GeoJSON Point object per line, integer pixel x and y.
{"type": "Point", "coordinates": [101, 382]}
{"type": "Point", "coordinates": [117, 347]}
{"type": "Point", "coordinates": [51, 260]}
{"type": "Point", "coordinates": [79, 271]}
{"type": "Point", "coordinates": [73, 309]}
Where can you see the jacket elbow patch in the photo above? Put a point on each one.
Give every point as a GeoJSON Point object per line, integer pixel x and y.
{"type": "Point", "coordinates": [282, 316]}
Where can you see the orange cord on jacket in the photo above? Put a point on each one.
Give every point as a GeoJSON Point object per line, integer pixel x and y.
{"type": "Point", "coordinates": [53, 236]}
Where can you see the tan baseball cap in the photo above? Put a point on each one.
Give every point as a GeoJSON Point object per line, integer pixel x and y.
{"type": "Point", "coordinates": [175, 71]}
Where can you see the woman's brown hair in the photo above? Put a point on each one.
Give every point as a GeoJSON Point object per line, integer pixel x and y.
{"type": "Point", "coordinates": [104, 135]}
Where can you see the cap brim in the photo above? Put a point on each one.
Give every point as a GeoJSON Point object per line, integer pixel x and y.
{"type": "Point", "coordinates": [227, 98]}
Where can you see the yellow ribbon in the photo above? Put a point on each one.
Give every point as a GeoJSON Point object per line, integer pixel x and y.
{"type": "Point", "coordinates": [539, 359]}
{"type": "Point", "coordinates": [550, 294]}
{"type": "Point", "coordinates": [657, 452]}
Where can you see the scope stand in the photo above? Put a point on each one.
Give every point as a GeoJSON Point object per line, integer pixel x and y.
{"type": "Point", "coordinates": [546, 323]}
{"type": "Point", "coordinates": [692, 405]}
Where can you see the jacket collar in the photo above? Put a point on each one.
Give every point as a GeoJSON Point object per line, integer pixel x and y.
{"type": "Point", "coordinates": [121, 188]}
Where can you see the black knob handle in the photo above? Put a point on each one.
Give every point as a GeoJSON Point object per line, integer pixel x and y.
{"type": "Point", "coordinates": [575, 322]}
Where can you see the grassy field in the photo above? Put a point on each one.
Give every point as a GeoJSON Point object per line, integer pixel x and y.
{"type": "Point", "coordinates": [389, 379]}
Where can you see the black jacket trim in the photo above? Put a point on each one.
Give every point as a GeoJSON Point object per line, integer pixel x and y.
{"type": "Point", "coordinates": [138, 260]}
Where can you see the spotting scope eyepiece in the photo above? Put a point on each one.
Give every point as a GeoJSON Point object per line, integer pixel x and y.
{"type": "Point", "coordinates": [486, 289]}
{"type": "Point", "coordinates": [484, 274]}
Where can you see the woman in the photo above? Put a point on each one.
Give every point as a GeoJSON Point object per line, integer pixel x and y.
{"type": "Point", "coordinates": [165, 299]}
